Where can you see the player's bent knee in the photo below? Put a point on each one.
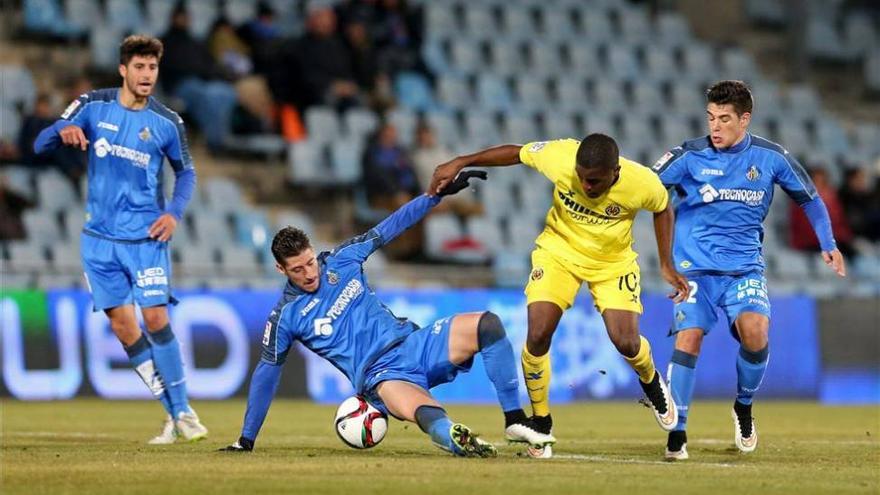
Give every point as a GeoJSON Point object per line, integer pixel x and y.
{"type": "Point", "coordinates": [627, 346]}
{"type": "Point", "coordinates": [490, 330]}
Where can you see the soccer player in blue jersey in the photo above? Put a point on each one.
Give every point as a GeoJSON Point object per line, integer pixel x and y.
{"type": "Point", "coordinates": [124, 244]}
{"type": "Point", "coordinates": [329, 308]}
{"type": "Point", "coordinates": [724, 182]}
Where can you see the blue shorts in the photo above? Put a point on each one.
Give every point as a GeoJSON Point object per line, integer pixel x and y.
{"type": "Point", "coordinates": [422, 359]}
{"type": "Point", "coordinates": [734, 294]}
{"type": "Point", "coordinates": [119, 273]}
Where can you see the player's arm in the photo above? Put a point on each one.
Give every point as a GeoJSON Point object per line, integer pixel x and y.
{"type": "Point", "coordinates": [498, 156]}
{"type": "Point", "coordinates": [264, 384]}
{"type": "Point", "coordinates": [176, 151]}
{"type": "Point", "coordinates": [656, 199]}
{"type": "Point", "coordinates": [67, 130]}
{"type": "Point", "coordinates": [671, 167]}
{"type": "Point", "coordinates": [794, 180]}
{"type": "Point", "coordinates": [360, 247]}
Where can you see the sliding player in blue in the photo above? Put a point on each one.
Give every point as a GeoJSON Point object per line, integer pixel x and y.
{"type": "Point", "coordinates": [124, 245]}
{"type": "Point", "coordinates": [329, 308]}
{"type": "Point", "coordinates": [725, 185]}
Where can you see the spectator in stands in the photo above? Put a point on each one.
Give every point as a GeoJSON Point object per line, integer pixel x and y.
{"type": "Point", "coordinates": [397, 32]}
{"type": "Point", "coordinates": [12, 205]}
{"type": "Point", "coordinates": [190, 74]}
{"type": "Point", "coordinates": [391, 182]}
{"type": "Point", "coordinates": [860, 204]}
{"type": "Point", "coordinates": [229, 50]}
{"type": "Point", "coordinates": [365, 64]}
{"type": "Point", "coordinates": [323, 64]}
{"type": "Point", "coordinates": [69, 161]}
{"type": "Point", "coordinates": [801, 233]}
{"type": "Point", "coordinates": [428, 153]}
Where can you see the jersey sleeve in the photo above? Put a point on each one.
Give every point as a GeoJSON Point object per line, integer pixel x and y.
{"type": "Point", "coordinates": [552, 158]}
{"type": "Point", "coordinates": [278, 337]}
{"type": "Point", "coordinates": [77, 112]}
{"type": "Point", "coordinates": [671, 167]}
{"type": "Point", "coordinates": [793, 179]}
{"type": "Point", "coordinates": [176, 148]}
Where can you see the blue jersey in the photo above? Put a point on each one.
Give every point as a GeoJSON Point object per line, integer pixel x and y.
{"type": "Point", "coordinates": [126, 153]}
{"type": "Point", "coordinates": [724, 195]}
{"type": "Point", "coordinates": [343, 321]}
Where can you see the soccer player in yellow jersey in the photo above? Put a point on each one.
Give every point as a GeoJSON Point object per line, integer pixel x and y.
{"type": "Point", "coordinates": [588, 238]}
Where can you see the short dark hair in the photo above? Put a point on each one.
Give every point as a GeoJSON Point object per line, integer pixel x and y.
{"type": "Point", "coordinates": [735, 93]}
{"type": "Point", "coordinates": [138, 44]}
{"type": "Point", "coordinates": [598, 151]}
{"type": "Point", "coordinates": [289, 241]}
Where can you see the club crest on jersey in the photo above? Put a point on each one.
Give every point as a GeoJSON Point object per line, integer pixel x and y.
{"type": "Point", "coordinates": [685, 264]}
{"type": "Point", "coordinates": [538, 146]}
{"type": "Point", "coordinates": [753, 173]}
{"type": "Point", "coordinates": [679, 316]}
{"type": "Point", "coordinates": [612, 210]}
{"type": "Point", "coordinates": [332, 278]}
{"type": "Point", "coordinates": [537, 274]}
{"type": "Point", "coordinates": [144, 134]}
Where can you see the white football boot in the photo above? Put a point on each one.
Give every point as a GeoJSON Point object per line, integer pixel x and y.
{"type": "Point", "coordinates": [661, 403]}
{"type": "Point", "coordinates": [742, 426]}
{"type": "Point", "coordinates": [545, 452]}
{"type": "Point", "coordinates": [676, 446]}
{"type": "Point", "coordinates": [189, 427]}
{"type": "Point", "coordinates": [168, 435]}
{"type": "Point", "coordinates": [525, 432]}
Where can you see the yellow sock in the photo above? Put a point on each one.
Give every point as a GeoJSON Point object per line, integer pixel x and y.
{"type": "Point", "coordinates": [536, 370]}
{"type": "Point", "coordinates": [642, 362]}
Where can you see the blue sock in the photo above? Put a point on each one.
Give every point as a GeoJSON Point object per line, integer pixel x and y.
{"type": "Point", "coordinates": [750, 367]}
{"type": "Point", "coordinates": [499, 360]}
{"type": "Point", "coordinates": [434, 421]}
{"type": "Point", "coordinates": [140, 355]}
{"type": "Point", "coordinates": [682, 375]}
{"type": "Point", "coordinates": [166, 355]}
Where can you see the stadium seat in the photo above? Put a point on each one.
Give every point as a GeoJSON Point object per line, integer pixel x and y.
{"type": "Point", "coordinates": [481, 128]}
{"type": "Point", "coordinates": [19, 179]}
{"type": "Point", "coordinates": [202, 14]}
{"type": "Point", "coordinates": [609, 96]}
{"type": "Point", "coordinates": [688, 97]}
{"type": "Point", "coordinates": [359, 123]}
{"type": "Point", "coordinates": [440, 21]}
{"type": "Point", "coordinates": [124, 15]}
{"type": "Point", "coordinates": [10, 124]}
{"type": "Point", "coordinates": [559, 124]}
{"type": "Point", "coordinates": [307, 163]}
{"type": "Point", "coordinates": [647, 98]}
{"type": "Point", "coordinates": [766, 11]}
{"type": "Point", "coordinates": [531, 93]}
{"type": "Point", "coordinates": [467, 56]}
{"type": "Point", "coordinates": [510, 269]}
{"type": "Point", "coordinates": [824, 42]}
{"type": "Point", "coordinates": [322, 124]}
{"type": "Point", "coordinates": [17, 281]}
{"type": "Point", "coordinates": [158, 16]}
{"type": "Point", "coordinates": [66, 259]}
{"type": "Point", "coordinates": [583, 60]}
{"type": "Point", "coordinates": [44, 17]}
{"type": "Point", "coordinates": [83, 15]}
{"type": "Point", "coordinates": [252, 228]}
{"type": "Point", "coordinates": [634, 25]}
{"type": "Point", "coordinates": [17, 89]}
{"type": "Point", "coordinates": [104, 46]}
{"type": "Point", "coordinates": [872, 70]}
{"type": "Point", "coordinates": [672, 29]}
{"type": "Point", "coordinates": [453, 92]}
{"type": "Point", "coordinates": [622, 64]}
{"type": "Point", "coordinates": [46, 281]}
{"type": "Point", "coordinates": [522, 235]}
{"type": "Point", "coordinates": [859, 34]}
{"type": "Point", "coordinates": [506, 57]}
{"type": "Point", "coordinates": [520, 128]}
{"type": "Point", "coordinates": [793, 136]}
{"type": "Point", "coordinates": [445, 127]}
{"type": "Point", "coordinates": [54, 192]}
{"type": "Point", "coordinates": [405, 121]}
{"type": "Point", "coordinates": [239, 11]}
{"type": "Point", "coordinates": [296, 219]}
{"type": "Point", "coordinates": [497, 194]}
{"type": "Point", "coordinates": [597, 25]}
{"type": "Point", "coordinates": [25, 256]}
{"type": "Point", "coordinates": [480, 20]}
{"type": "Point", "coordinates": [413, 91]}
{"type": "Point", "coordinates": [212, 229]}
{"type": "Point", "coordinates": [196, 260]}
{"type": "Point", "coordinates": [802, 100]}
{"type": "Point", "coordinates": [487, 231]}
{"type": "Point", "coordinates": [545, 58]}
{"type": "Point", "coordinates": [598, 122]}
{"type": "Point", "coordinates": [660, 63]}
{"type": "Point", "coordinates": [42, 227]}
{"type": "Point", "coordinates": [557, 24]}
{"type": "Point", "coordinates": [345, 160]}
{"type": "Point", "coordinates": [831, 137]}
{"type": "Point", "coordinates": [518, 22]}
{"type": "Point", "coordinates": [792, 265]}
{"type": "Point", "coordinates": [238, 260]}
{"type": "Point", "coordinates": [736, 63]}
{"type": "Point", "coordinates": [493, 93]}
{"type": "Point", "coordinates": [699, 59]}
{"type": "Point", "coordinates": [440, 230]}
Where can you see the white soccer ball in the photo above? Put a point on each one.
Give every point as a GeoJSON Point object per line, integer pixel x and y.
{"type": "Point", "coordinates": [359, 424]}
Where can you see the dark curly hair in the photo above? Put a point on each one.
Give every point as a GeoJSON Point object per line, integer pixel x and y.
{"type": "Point", "coordinates": [735, 93]}
{"type": "Point", "coordinates": [137, 44]}
{"type": "Point", "coordinates": [598, 151]}
{"type": "Point", "coordinates": [289, 241]}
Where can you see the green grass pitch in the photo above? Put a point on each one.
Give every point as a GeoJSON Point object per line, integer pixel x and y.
{"type": "Point", "coordinates": [94, 446]}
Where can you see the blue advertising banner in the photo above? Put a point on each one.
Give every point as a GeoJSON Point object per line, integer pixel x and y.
{"type": "Point", "coordinates": [220, 333]}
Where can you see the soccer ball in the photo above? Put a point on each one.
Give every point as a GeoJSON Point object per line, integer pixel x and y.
{"type": "Point", "coordinates": [359, 424]}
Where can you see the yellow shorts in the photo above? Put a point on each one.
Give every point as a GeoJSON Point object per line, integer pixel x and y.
{"type": "Point", "coordinates": [554, 280]}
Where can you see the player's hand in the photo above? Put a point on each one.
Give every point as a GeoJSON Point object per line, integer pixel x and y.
{"type": "Point", "coordinates": [834, 259]}
{"type": "Point", "coordinates": [163, 228]}
{"type": "Point", "coordinates": [678, 281]}
{"type": "Point", "coordinates": [73, 135]}
{"type": "Point", "coordinates": [241, 445]}
{"type": "Point", "coordinates": [461, 182]}
{"type": "Point", "coordinates": [444, 174]}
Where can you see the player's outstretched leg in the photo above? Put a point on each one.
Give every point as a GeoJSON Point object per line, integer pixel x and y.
{"type": "Point", "coordinates": [623, 330]}
{"type": "Point", "coordinates": [543, 317]}
{"type": "Point", "coordinates": [681, 378]}
{"type": "Point", "coordinates": [140, 355]}
{"type": "Point", "coordinates": [500, 364]}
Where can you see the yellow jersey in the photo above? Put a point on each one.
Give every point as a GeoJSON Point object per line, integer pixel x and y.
{"type": "Point", "coordinates": [593, 233]}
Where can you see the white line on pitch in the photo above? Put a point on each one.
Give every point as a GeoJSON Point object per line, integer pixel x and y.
{"type": "Point", "coordinates": [55, 434]}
